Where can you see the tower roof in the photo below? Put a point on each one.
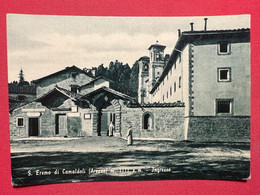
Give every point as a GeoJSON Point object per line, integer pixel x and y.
{"type": "Point", "coordinates": [157, 46]}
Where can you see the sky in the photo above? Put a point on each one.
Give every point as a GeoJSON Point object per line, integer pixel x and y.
{"type": "Point", "coordinates": [44, 44]}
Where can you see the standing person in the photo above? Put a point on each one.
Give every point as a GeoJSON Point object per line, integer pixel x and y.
{"type": "Point", "coordinates": [130, 136]}
{"type": "Point", "coordinates": [111, 129]}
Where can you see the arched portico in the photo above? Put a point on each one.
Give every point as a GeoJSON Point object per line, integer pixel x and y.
{"type": "Point", "coordinates": [105, 100]}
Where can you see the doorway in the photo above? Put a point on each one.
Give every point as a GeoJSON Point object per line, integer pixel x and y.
{"type": "Point", "coordinates": [61, 124]}
{"type": "Point", "coordinates": [33, 126]}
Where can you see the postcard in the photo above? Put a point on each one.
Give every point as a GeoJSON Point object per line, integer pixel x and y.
{"type": "Point", "coordinates": [128, 98]}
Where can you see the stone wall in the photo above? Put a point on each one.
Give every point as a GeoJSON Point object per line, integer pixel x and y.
{"type": "Point", "coordinates": [235, 129]}
{"type": "Point", "coordinates": [47, 124]}
{"type": "Point", "coordinates": [168, 122]}
{"type": "Point", "coordinates": [87, 123]}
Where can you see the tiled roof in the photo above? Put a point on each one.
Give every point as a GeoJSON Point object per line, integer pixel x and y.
{"type": "Point", "coordinates": [65, 92]}
{"type": "Point", "coordinates": [69, 93]}
{"type": "Point", "coordinates": [157, 45]}
{"type": "Point", "coordinates": [155, 104]}
{"type": "Point", "coordinates": [61, 71]}
{"type": "Point", "coordinates": [144, 58]}
{"type": "Point", "coordinates": [217, 31]}
{"type": "Point", "coordinates": [22, 89]}
{"type": "Point", "coordinates": [117, 93]}
{"type": "Point", "coordinates": [94, 80]}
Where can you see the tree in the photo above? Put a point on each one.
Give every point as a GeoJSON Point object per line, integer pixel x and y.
{"type": "Point", "coordinates": [133, 81]}
{"type": "Point", "coordinates": [122, 78]}
{"type": "Point", "coordinates": [21, 77]}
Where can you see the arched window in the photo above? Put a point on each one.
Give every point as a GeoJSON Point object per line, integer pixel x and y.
{"type": "Point", "coordinates": [146, 67]}
{"type": "Point", "coordinates": [148, 120]}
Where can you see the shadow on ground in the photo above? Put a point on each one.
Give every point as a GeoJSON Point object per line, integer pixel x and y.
{"type": "Point", "coordinates": [146, 160]}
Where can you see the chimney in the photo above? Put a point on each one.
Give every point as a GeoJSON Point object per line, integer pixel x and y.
{"type": "Point", "coordinates": [191, 26]}
{"type": "Point", "coordinates": [205, 24]}
{"type": "Point", "coordinates": [179, 32]}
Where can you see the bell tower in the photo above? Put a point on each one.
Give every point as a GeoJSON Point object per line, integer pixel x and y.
{"type": "Point", "coordinates": [157, 63]}
{"type": "Point", "coordinates": [143, 79]}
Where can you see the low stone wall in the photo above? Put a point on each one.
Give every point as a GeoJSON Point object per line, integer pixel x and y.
{"type": "Point", "coordinates": [235, 129]}
{"type": "Point", "coordinates": [168, 122]}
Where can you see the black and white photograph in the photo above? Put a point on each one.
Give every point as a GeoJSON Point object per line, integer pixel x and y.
{"type": "Point", "coordinates": [128, 98]}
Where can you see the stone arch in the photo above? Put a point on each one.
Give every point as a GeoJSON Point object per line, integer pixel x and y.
{"type": "Point", "coordinates": [148, 121]}
{"type": "Point", "coordinates": [117, 107]}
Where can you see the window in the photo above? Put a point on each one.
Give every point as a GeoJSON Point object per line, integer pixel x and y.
{"type": "Point", "coordinates": [157, 56]}
{"type": "Point", "coordinates": [179, 82]}
{"type": "Point", "coordinates": [148, 121]}
{"type": "Point", "coordinates": [224, 48]}
{"type": "Point", "coordinates": [167, 94]}
{"type": "Point", "coordinates": [20, 122]}
{"type": "Point", "coordinates": [224, 106]}
{"type": "Point", "coordinates": [163, 98]}
{"type": "Point", "coordinates": [146, 67]}
{"type": "Point", "coordinates": [174, 86]}
{"type": "Point", "coordinates": [170, 91]}
{"type": "Point", "coordinates": [224, 74]}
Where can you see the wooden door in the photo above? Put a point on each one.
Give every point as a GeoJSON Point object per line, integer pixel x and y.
{"type": "Point", "coordinates": [61, 125]}
{"type": "Point", "coordinates": [33, 126]}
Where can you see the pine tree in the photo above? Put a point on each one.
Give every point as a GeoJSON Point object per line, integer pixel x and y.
{"type": "Point", "coordinates": [21, 77]}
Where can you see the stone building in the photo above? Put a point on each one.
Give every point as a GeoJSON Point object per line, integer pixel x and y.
{"type": "Point", "coordinates": [70, 78]}
{"type": "Point", "coordinates": [68, 103]}
{"type": "Point", "coordinates": [200, 92]}
{"type": "Point", "coordinates": [60, 113]}
{"type": "Point", "coordinates": [209, 71]}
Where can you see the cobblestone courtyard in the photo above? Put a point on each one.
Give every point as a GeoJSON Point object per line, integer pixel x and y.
{"type": "Point", "coordinates": [41, 161]}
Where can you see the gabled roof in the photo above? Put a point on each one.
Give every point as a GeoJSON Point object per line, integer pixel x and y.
{"type": "Point", "coordinates": [69, 94]}
{"type": "Point", "coordinates": [236, 35]}
{"type": "Point", "coordinates": [94, 80]}
{"type": "Point", "coordinates": [65, 92]}
{"type": "Point", "coordinates": [61, 71]}
{"type": "Point", "coordinates": [107, 89]}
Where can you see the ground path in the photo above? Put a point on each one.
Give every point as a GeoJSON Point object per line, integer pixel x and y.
{"type": "Point", "coordinates": [110, 158]}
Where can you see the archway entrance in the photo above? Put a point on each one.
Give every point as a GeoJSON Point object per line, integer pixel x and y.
{"type": "Point", "coordinates": [108, 109]}
{"type": "Point", "coordinates": [148, 121]}
{"type": "Point", "coordinates": [105, 116]}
